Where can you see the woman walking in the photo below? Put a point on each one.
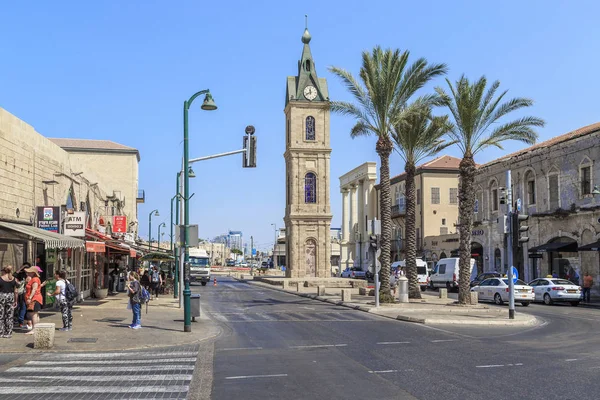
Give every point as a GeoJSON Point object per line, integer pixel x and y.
{"type": "Point", "coordinates": [8, 301]}
{"type": "Point", "coordinates": [33, 296]}
{"type": "Point", "coordinates": [134, 291]}
{"type": "Point", "coordinates": [66, 307]}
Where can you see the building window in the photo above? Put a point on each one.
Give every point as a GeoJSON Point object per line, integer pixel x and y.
{"type": "Point", "coordinates": [553, 192]}
{"type": "Point", "coordinates": [443, 221]}
{"type": "Point", "coordinates": [418, 196]}
{"type": "Point", "coordinates": [310, 188]}
{"type": "Point", "coordinates": [453, 195]}
{"type": "Point", "coordinates": [443, 230]}
{"type": "Point", "coordinates": [307, 65]}
{"type": "Point", "coordinates": [494, 199]}
{"type": "Point", "coordinates": [288, 132]}
{"type": "Point", "coordinates": [435, 195]}
{"type": "Point", "coordinates": [402, 203]}
{"type": "Point", "coordinates": [310, 128]}
{"type": "Point", "coordinates": [530, 180]}
{"type": "Point", "coordinates": [586, 180]}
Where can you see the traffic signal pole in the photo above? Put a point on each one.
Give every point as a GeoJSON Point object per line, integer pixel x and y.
{"type": "Point", "coordinates": [509, 213]}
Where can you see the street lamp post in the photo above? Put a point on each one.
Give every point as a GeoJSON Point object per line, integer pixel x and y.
{"type": "Point", "coordinates": [158, 238]}
{"type": "Point", "coordinates": [208, 105]}
{"type": "Point", "coordinates": [156, 214]}
{"type": "Point", "coordinates": [274, 245]}
{"type": "Point", "coordinates": [173, 252]}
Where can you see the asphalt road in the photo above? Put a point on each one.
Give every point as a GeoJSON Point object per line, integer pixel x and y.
{"type": "Point", "coordinates": [281, 346]}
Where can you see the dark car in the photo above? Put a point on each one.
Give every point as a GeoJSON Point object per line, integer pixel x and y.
{"type": "Point", "coordinates": [486, 275]}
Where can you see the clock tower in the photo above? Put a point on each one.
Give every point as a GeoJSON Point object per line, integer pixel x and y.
{"type": "Point", "coordinates": [307, 154]}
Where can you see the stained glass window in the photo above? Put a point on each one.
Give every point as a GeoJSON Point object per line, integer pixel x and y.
{"type": "Point", "coordinates": [310, 128]}
{"type": "Point", "coordinates": [310, 188]}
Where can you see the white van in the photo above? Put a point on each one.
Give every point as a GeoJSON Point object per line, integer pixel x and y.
{"type": "Point", "coordinates": [422, 271]}
{"type": "Point", "coordinates": [445, 273]}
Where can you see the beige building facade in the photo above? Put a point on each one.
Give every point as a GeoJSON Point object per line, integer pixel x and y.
{"type": "Point", "coordinates": [307, 160]}
{"type": "Point", "coordinates": [359, 204]}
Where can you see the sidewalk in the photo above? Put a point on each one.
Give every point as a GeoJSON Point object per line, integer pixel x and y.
{"type": "Point", "coordinates": [107, 322]}
{"type": "Point", "coordinates": [429, 310]}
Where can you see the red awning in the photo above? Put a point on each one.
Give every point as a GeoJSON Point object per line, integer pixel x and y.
{"type": "Point", "coordinates": [95, 247]}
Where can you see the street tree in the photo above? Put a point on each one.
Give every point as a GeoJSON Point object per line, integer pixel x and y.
{"type": "Point", "coordinates": [387, 85]}
{"type": "Point", "coordinates": [417, 135]}
{"type": "Point", "coordinates": [476, 125]}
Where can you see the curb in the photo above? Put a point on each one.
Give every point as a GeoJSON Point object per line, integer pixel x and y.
{"type": "Point", "coordinates": [532, 321]}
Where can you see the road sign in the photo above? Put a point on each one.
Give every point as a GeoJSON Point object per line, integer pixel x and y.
{"type": "Point", "coordinates": [536, 255]}
{"type": "Point", "coordinates": [515, 274]}
{"type": "Point", "coordinates": [519, 204]}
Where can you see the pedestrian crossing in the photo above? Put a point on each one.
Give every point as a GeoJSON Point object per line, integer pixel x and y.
{"type": "Point", "coordinates": [285, 316]}
{"type": "Point", "coordinates": [147, 374]}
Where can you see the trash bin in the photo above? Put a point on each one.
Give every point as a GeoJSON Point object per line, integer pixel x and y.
{"type": "Point", "coordinates": [195, 306]}
{"type": "Point", "coordinates": [121, 285]}
{"type": "Point", "coordinates": [403, 289]}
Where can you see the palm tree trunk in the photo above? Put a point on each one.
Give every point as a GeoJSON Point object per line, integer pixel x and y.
{"type": "Point", "coordinates": [414, 290]}
{"type": "Point", "coordinates": [384, 148]}
{"type": "Point", "coordinates": [466, 204]}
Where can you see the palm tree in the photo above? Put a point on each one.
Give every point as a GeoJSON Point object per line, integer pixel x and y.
{"type": "Point", "coordinates": [387, 85]}
{"type": "Point", "coordinates": [476, 114]}
{"type": "Point", "coordinates": [417, 135]}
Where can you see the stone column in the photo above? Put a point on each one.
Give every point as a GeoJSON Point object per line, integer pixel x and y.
{"type": "Point", "coordinates": [345, 215]}
{"type": "Point", "coordinates": [353, 221]}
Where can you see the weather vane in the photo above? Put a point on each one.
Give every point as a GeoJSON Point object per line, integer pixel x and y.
{"type": "Point", "coordinates": [305, 21]}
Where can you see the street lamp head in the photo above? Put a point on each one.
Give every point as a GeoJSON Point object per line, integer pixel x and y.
{"type": "Point", "coordinates": [156, 214]}
{"type": "Point", "coordinates": [208, 104]}
{"type": "Point", "coordinates": [191, 173]}
{"type": "Point", "coordinates": [162, 224]}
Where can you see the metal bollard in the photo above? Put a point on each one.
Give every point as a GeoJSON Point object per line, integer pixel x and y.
{"type": "Point", "coordinates": [402, 289]}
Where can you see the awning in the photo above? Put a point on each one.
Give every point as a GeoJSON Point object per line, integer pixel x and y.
{"type": "Point", "coordinates": [95, 247]}
{"type": "Point", "coordinates": [555, 246]}
{"type": "Point", "coordinates": [51, 240]}
{"type": "Point", "coordinates": [591, 247]}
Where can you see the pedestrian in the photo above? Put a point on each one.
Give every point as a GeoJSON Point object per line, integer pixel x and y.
{"type": "Point", "coordinates": [156, 281]}
{"type": "Point", "coordinates": [21, 277]}
{"type": "Point", "coordinates": [588, 282]}
{"type": "Point", "coordinates": [33, 297]}
{"type": "Point", "coordinates": [66, 307]}
{"type": "Point", "coordinates": [145, 281]}
{"type": "Point", "coordinates": [134, 291]}
{"type": "Point", "coordinates": [394, 282]}
{"type": "Point", "coordinates": [8, 301]}
{"type": "Point", "coordinates": [163, 280]}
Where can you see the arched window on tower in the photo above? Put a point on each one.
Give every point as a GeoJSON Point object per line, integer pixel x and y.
{"type": "Point", "coordinates": [310, 188]}
{"type": "Point", "coordinates": [307, 65]}
{"type": "Point", "coordinates": [310, 128]}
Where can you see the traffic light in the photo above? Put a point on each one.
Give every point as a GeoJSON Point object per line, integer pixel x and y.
{"type": "Point", "coordinates": [519, 231]}
{"type": "Point", "coordinates": [249, 156]}
{"type": "Point", "coordinates": [373, 242]}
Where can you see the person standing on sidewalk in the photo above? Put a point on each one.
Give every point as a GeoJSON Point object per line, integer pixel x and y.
{"type": "Point", "coordinates": [134, 290]}
{"type": "Point", "coordinates": [33, 296]}
{"type": "Point", "coordinates": [21, 277]}
{"type": "Point", "coordinates": [588, 282]}
{"type": "Point", "coordinates": [156, 281]}
{"type": "Point", "coordinates": [8, 301]}
{"type": "Point", "coordinates": [66, 307]}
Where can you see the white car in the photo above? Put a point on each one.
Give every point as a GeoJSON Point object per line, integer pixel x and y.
{"type": "Point", "coordinates": [496, 290]}
{"type": "Point", "coordinates": [353, 273]}
{"type": "Point", "coordinates": [550, 290]}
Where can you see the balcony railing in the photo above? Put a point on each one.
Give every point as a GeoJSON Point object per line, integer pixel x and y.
{"type": "Point", "coordinates": [141, 196]}
{"type": "Point", "coordinates": [398, 211]}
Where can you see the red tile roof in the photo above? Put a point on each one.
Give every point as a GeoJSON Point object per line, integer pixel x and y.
{"type": "Point", "coordinates": [442, 163]}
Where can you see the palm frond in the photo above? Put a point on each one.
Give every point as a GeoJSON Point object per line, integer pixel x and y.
{"type": "Point", "coordinates": [520, 130]}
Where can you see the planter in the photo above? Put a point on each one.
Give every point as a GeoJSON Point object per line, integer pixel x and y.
{"type": "Point", "coordinates": [101, 293]}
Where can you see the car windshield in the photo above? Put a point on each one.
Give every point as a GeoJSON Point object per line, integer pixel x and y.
{"type": "Point", "coordinates": [518, 282]}
{"type": "Point", "coordinates": [422, 270]}
{"type": "Point", "coordinates": [561, 282]}
{"type": "Point", "coordinates": [199, 261]}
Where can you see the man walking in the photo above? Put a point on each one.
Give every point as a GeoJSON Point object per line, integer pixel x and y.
{"type": "Point", "coordinates": [156, 281]}
{"type": "Point", "coordinates": [588, 282]}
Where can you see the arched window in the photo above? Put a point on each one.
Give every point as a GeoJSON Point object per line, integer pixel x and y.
{"type": "Point", "coordinates": [310, 128]}
{"type": "Point", "coordinates": [289, 140]}
{"type": "Point", "coordinates": [310, 188]}
{"type": "Point", "coordinates": [307, 64]}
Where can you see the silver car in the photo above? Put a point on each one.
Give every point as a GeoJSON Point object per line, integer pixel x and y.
{"type": "Point", "coordinates": [550, 290]}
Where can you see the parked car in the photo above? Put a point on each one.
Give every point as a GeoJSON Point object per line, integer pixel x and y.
{"type": "Point", "coordinates": [243, 264]}
{"type": "Point", "coordinates": [497, 290]}
{"type": "Point", "coordinates": [550, 290]}
{"type": "Point", "coordinates": [482, 277]}
{"type": "Point", "coordinates": [422, 271]}
{"type": "Point", "coordinates": [354, 273]}
{"type": "Point", "coordinates": [445, 273]}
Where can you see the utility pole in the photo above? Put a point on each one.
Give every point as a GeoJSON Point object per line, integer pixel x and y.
{"type": "Point", "coordinates": [509, 214]}
{"type": "Point", "coordinates": [251, 247]}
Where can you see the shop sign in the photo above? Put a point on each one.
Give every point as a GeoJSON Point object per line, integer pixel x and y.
{"type": "Point", "coordinates": [75, 224]}
{"type": "Point", "coordinates": [119, 224]}
{"type": "Point", "coordinates": [132, 253]}
{"type": "Point", "coordinates": [48, 218]}
{"type": "Point", "coordinates": [128, 238]}
{"type": "Point", "coordinates": [95, 247]}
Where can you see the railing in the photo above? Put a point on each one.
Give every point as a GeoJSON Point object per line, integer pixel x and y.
{"type": "Point", "coordinates": [141, 196]}
{"type": "Point", "coordinates": [398, 211]}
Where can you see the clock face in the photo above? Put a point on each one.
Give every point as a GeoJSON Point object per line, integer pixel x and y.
{"type": "Point", "coordinates": [310, 92]}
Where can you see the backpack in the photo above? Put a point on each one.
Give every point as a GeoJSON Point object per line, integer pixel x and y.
{"type": "Point", "coordinates": [71, 293]}
{"type": "Point", "coordinates": [144, 296]}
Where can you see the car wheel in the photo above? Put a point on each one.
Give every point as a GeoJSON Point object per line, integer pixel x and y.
{"type": "Point", "coordinates": [448, 287]}
{"type": "Point", "coordinates": [547, 299]}
{"type": "Point", "coordinates": [203, 283]}
{"type": "Point", "coordinates": [423, 288]}
{"type": "Point", "coordinates": [525, 303]}
{"type": "Point", "coordinates": [498, 299]}
{"type": "Point", "coordinates": [574, 303]}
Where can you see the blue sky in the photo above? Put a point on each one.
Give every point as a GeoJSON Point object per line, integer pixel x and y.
{"type": "Point", "coordinates": [120, 70]}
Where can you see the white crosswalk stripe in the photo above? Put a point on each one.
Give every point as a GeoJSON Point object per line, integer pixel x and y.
{"type": "Point", "coordinates": [144, 374]}
{"type": "Point", "coordinates": [241, 317]}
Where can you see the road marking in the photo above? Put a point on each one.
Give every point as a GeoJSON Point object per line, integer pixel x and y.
{"type": "Point", "coordinates": [112, 362]}
{"type": "Point", "coordinates": [309, 308]}
{"type": "Point", "coordinates": [499, 365]}
{"type": "Point", "coordinates": [317, 346]}
{"type": "Point", "coordinates": [383, 372]}
{"type": "Point", "coordinates": [443, 340]}
{"type": "Point", "coordinates": [124, 355]}
{"type": "Point", "coordinates": [392, 342]}
{"type": "Point", "coordinates": [26, 369]}
{"type": "Point", "coordinates": [240, 348]}
{"type": "Point", "coordinates": [570, 359]}
{"type": "Point", "coordinates": [92, 389]}
{"type": "Point", "coordinates": [256, 376]}
{"type": "Point", "coordinates": [123, 378]}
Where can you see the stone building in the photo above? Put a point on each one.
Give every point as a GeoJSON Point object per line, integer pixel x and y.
{"type": "Point", "coordinates": [555, 182]}
{"type": "Point", "coordinates": [307, 157]}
